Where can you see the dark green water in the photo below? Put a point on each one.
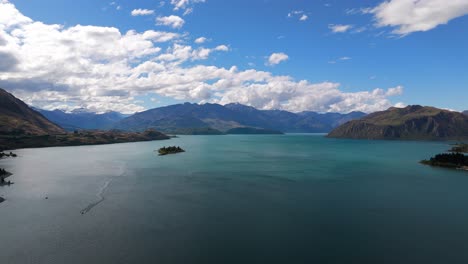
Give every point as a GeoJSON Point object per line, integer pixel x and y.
{"type": "Point", "coordinates": [235, 199]}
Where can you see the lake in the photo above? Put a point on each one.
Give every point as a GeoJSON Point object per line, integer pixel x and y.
{"type": "Point", "coordinates": [298, 198]}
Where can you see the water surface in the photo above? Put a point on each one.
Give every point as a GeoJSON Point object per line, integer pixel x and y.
{"type": "Point", "coordinates": [235, 199]}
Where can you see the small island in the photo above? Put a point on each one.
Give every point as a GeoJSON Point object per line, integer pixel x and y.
{"type": "Point", "coordinates": [3, 175]}
{"type": "Point", "coordinates": [6, 155]}
{"type": "Point", "coordinates": [170, 150]}
{"type": "Point", "coordinates": [454, 159]}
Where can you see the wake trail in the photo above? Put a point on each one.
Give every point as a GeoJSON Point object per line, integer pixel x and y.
{"type": "Point", "coordinates": [100, 196]}
{"type": "Point", "coordinates": [101, 192]}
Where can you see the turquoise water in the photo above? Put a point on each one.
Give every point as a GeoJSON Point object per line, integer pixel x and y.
{"type": "Point", "coordinates": [235, 199]}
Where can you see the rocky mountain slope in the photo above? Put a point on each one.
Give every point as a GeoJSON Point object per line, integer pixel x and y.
{"type": "Point", "coordinates": [413, 122]}
{"type": "Point", "coordinates": [17, 118]}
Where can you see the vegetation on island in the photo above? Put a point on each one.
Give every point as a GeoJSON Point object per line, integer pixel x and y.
{"type": "Point", "coordinates": [3, 175]}
{"type": "Point", "coordinates": [454, 159]}
{"type": "Point", "coordinates": [170, 150]}
{"type": "Point", "coordinates": [6, 155]}
{"type": "Point", "coordinates": [448, 160]}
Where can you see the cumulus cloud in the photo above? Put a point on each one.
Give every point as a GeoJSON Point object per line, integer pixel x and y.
{"type": "Point", "coordinates": [284, 93]}
{"type": "Point", "coordinates": [160, 36]}
{"type": "Point", "coordinates": [339, 28]}
{"type": "Point", "coordinates": [171, 21]}
{"type": "Point", "coordinates": [222, 48]}
{"type": "Point", "coordinates": [201, 40]}
{"type": "Point", "coordinates": [277, 58]}
{"type": "Point", "coordinates": [395, 91]}
{"type": "Point", "coordinates": [413, 16]}
{"type": "Point", "coordinates": [142, 12]}
{"type": "Point", "coordinates": [7, 61]}
{"type": "Point", "coordinates": [102, 68]}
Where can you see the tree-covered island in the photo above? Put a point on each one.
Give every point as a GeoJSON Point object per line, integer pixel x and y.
{"type": "Point", "coordinates": [3, 175]}
{"type": "Point", "coordinates": [454, 159]}
{"type": "Point", "coordinates": [170, 150]}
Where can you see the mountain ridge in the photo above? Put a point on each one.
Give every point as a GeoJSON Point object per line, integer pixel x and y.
{"type": "Point", "coordinates": [81, 119]}
{"type": "Point", "coordinates": [413, 122]}
{"type": "Point", "coordinates": [230, 116]}
{"type": "Point", "coordinates": [16, 117]}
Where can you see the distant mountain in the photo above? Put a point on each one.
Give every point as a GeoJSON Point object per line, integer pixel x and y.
{"type": "Point", "coordinates": [82, 119]}
{"type": "Point", "coordinates": [17, 118]}
{"type": "Point", "coordinates": [224, 118]}
{"type": "Point", "coordinates": [412, 122]}
{"type": "Point", "coordinates": [252, 131]}
{"type": "Point", "coordinates": [465, 112]}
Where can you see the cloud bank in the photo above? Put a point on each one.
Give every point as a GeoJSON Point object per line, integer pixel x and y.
{"type": "Point", "coordinates": [100, 68]}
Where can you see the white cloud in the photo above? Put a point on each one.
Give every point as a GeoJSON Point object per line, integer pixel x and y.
{"type": "Point", "coordinates": [222, 48]}
{"type": "Point", "coordinates": [188, 11]}
{"type": "Point", "coordinates": [299, 14]}
{"type": "Point", "coordinates": [201, 40]}
{"type": "Point", "coordinates": [345, 58]}
{"type": "Point", "coordinates": [277, 58]}
{"type": "Point", "coordinates": [184, 4]}
{"type": "Point", "coordinates": [99, 68]}
{"type": "Point", "coordinates": [142, 12]}
{"type": "Point", "coordinates": [283, 93]}
{"type": "Point", "coordinates": [395, 91]}
{"type": "Point", "coordinates": [339, 28]}
{"type": "Point", "coordinates": [171, 21]}
{"type": "Point", "coordinates": [400, 105]}
{"type": "Point", "coordinates": [409, 16]}
{"type": "Point", "coordinates": [160, 36]}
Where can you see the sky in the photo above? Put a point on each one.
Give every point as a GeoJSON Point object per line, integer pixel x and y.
{"type": "Point", "coordinates": [294, 55]}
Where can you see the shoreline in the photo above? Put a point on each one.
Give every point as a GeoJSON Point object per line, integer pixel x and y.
{"type": "Point", "coordinates": [82, 138]}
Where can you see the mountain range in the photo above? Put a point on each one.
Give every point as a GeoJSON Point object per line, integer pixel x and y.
{"type": "Point", "coordinates": [81, 119]}
{"type": "Point", "coordinates": [214, 117]}
{"type": "Point", "coordinates": [413, 122]}
{"type": "Point", "coordinates": [18, 118]}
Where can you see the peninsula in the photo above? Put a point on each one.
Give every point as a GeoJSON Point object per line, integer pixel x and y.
{"type": "Point", "coordinates": [23, 127]}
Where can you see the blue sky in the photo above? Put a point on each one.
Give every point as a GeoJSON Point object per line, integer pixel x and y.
{"type": "Point", "coordinates": [413, 56]}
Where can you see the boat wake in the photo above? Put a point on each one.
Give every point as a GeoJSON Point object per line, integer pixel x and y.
{"type": "Point", "coordinates": [100, 196]}
{"type": "Point", "coordinates": [101, 192]}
